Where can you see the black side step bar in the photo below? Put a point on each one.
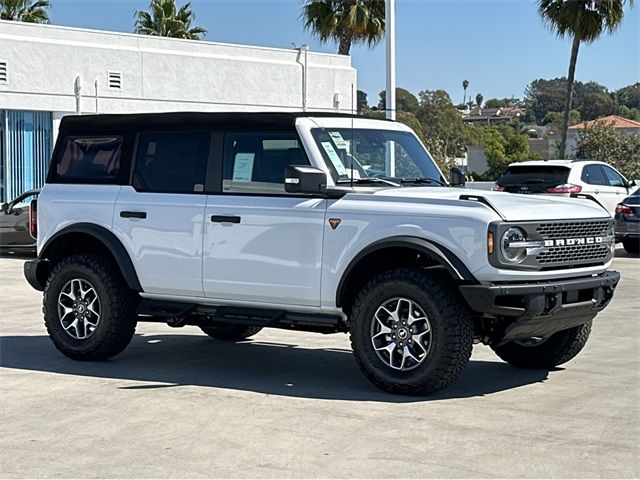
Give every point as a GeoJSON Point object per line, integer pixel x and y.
{"type": "Point", "coordinates": [180, 314]}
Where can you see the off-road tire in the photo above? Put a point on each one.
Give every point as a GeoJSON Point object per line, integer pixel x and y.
{"type": "Point", "coordinates": [451, 327]}
{"type": "Point", "coordinates": [118, 308]}
{"type": "Point", "coordinates": [559, 348]}
{"type": "Point", "coordinates": [230, 333]}
{"type": "Point", "coordinates": [631, 245]}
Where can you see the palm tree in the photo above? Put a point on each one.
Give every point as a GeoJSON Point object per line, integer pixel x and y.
{"type": "Point", "coordinates": [465, 85]}
{"type": "Point", "coordinates": [583, 21]}
{"type": "Point", "coordinates": [164, 19]}
{"type": "Point", "coordinates": [346, 21]}
{"type": "Point", "coordinates": [25, 10]}
{"type": "Point", "coordinates": [479, 99]}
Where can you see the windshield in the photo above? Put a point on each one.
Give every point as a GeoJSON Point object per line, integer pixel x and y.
{"type": "Point", "coordinates": [364, 154]}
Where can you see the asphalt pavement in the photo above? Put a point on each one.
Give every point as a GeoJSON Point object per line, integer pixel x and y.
{"type": "Point", "coordinates": [287, 405]}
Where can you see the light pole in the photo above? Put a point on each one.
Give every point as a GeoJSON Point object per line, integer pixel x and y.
{"type": "Point", "coordinates": [390, 19]}
{"type": "Point", "coordinates": [390, 104]}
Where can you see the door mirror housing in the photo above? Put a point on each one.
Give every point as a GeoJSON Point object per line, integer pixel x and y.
{"type": "Point", "coordinates": [4, 207]}
{"type": "Point", "coordinates": [631, 183]}
{"type": "Point", "coordinates": [304, 179]}
{"type": "Point", "coordinates": [457, 177]}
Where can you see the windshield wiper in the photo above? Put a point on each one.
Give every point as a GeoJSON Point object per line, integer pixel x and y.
{"type": "Point", "coordinates": [370, 180]}
{"type": "Point", "coordinates": [425, 180]}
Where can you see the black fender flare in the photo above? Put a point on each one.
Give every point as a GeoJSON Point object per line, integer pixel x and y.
{"type": "Point", "coordinates": [108, 239]}
{"type": "Point", "coordinates": [434, 250]}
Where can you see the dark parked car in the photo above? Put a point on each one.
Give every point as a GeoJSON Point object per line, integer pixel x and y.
{"type": "Point", "coordinates": [14, 225]}
{"type": "Point", "coordinates": [627, 225]}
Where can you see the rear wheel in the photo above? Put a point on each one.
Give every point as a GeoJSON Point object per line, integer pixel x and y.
{"type": "Point", "coordinates": [632, 245]}
{"type": "Point", "coordinates": [410, 331]}
{"type": "Point", "coordinates": [546, 352]}
{"type": "Point", "coordinates": [233, 333]}
{"type": "Point", "coordinates": [89, 311]}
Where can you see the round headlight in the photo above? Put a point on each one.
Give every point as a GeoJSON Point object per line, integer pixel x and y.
{"type": "Point", "coordinates": [512, 252]}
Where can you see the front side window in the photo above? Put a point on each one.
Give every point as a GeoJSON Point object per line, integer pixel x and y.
{"type": "Point", "coordinates": [613, 178]}
{"type": "Point", "coordinates": [361, 154]}
{"type": "Point", "coordinates": [171, 162]}
{"type": "Point", "coordinates": [592, 174]}
{"type": "Point", "coordinates": [89, 158]}
{"type": "Point", "coordinates": [255, 162]}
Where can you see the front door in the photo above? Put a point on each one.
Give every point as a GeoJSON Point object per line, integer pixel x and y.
{"type": "Point", "coordinates": [262, 245]}
{"type": "Point", "coordinates": [160, 218]}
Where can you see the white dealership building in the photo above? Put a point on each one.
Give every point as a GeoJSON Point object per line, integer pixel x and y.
{"type": "Point", "coordinates": [49, 71]}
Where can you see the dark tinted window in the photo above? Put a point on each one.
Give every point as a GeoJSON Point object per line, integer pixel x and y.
{"type": "Point", "coordinates": [534, 174]}
{"type": "Point", "coordinates": [171, 162]}
{"type": "Point", "coordinates": [613, 178]}
{"type": "Point", "coordinates": [255, 162]}
{"type": "Point", "coordinates": [592, 174]}
{"type": "Point", "coordinates": [89, 158]}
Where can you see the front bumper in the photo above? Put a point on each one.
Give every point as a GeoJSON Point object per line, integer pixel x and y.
{"type": "Point", "coordinates": [543, 308]}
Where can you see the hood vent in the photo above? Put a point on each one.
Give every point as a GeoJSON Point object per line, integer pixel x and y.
{"type": "Point", "coordinates": [115, 80]}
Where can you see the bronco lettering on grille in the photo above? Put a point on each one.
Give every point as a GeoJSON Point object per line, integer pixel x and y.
{"type": "Point", "coordinates": [561, 242]}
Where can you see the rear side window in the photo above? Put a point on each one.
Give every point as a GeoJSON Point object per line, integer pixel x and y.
{"type": "Point", "coordinates": [89, 158]}
{"type": "Point", "coordinates": [171, 162]}
{"type": "Point", "coordinates": [592, 174]}
{"type": "Point", "coordinates": [534, 174]}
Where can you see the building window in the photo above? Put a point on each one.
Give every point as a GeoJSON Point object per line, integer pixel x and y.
{"type": "Point", "coordinates": [25, 151]}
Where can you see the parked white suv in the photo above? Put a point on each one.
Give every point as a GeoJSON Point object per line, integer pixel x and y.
{"type": "Point", "coordinates": [579, 178]}
{"type": "Point", "coordinates": [234, 222]}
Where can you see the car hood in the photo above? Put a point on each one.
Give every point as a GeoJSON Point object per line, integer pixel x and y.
{"type": "Point", "coordinates": [512, 207]}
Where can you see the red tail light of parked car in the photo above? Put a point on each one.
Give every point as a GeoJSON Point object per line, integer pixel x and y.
{"type": "Point", "coordinates": [623, 209]}
{"type": "Point", "coordinates": [565, 188]}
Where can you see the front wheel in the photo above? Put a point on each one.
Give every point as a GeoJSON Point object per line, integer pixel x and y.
{"type": "Point", "coordinates": [410, 331]}
{"type": "Point", "coordinates": [546, 352]}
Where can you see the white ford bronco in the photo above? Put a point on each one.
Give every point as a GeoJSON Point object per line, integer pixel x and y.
{"type": "Point", "coordinates": [325, 223]}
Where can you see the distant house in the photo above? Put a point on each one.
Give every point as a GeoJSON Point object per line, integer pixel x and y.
{"type": "Point", "coordinates": [621, 125]}
{"type": "Point", "coordinates": [489, 116]}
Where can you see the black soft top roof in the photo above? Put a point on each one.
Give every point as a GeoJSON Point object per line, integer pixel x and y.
{"type": "Point", "coordinates": [178, 120]}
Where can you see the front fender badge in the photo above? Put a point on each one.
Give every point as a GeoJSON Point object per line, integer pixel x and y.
{"type": "Point", "coordinates": [334, 222]}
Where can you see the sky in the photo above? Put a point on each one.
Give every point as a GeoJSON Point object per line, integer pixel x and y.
{"type": "Point", "coordinates": [499, 46]}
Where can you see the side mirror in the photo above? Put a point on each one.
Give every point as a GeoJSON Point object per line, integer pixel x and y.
{"type": "Point", "coordinates": [631, 183]}
{"type": "Point", "coordinates": [457, 177]}
{"type": "Point", "coordinates": [4, 207]}
{"type": "Point", "coordinates": [304, 179]}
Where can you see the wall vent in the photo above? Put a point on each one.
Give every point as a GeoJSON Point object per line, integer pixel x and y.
{"type": "Point", "coordinates": [115, 80]}
{"type": "Point", "coordinates": [4, 74]}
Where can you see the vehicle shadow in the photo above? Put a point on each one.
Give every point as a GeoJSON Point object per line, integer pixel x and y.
{"type": "Point", "coordinates": [621, 253]}
{"type": "Point", "coordinates": [166, 361]}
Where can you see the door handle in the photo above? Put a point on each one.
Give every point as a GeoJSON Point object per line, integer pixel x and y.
{"type": "Point", "coordinates": [597, 192]}
{"type": "Point", "coordinates": [225, 219]}
{"type": "Point", "coordinates": [128, 214]}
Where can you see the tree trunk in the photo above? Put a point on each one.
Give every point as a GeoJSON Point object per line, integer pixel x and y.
{"type": "Point", "coordinates": [569, 98]}
{"type": "Point", "coordinates": [345, 43]}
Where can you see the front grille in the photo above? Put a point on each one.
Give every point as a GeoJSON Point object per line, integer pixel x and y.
{"type": "Point", "coordinates": [573, 254]}
{"type": "Point", "coordinates": [578, 232]}
{"type": "Point", "coordinates": [591, 228]}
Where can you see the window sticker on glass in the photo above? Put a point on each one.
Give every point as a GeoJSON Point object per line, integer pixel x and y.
{"type": "Point", "coordinates": [243, 167]}
{"type": "Point", "coordinates": [335, 159]}
{"type": "Point", "coordinates": [340, 142]}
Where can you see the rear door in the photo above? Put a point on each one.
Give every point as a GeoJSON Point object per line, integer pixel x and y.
{"type": "Point", "coordinates": [160, 217]}
{"type": "Point", "coordinates": [262, 245]}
